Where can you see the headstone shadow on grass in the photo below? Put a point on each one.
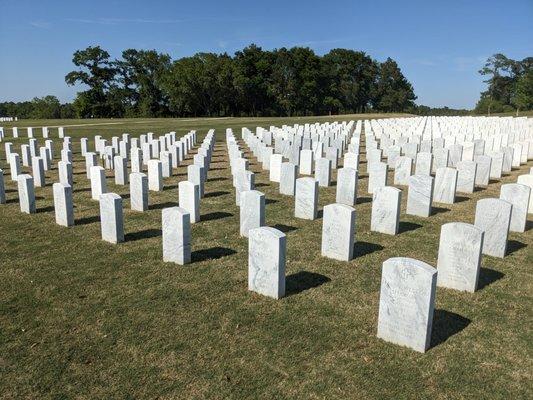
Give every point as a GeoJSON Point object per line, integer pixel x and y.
{"type": "Point", "coordinates": [216, 194]}
{"type": "Point", "coordinates": [514, 245]}
{"type": "Point", "coordinates": [361, 249]}
{"type": "Point", "coordinates": [406, 226]}
{"type": "Point", "coordinates": [302, 281]}
{"type": "Point", "coordinates": [160, 206]}
{"type": "Point", "coordinates": [284, 228]}
{"type": "Point", "coordinates": [218, 179]}
{"type": "Point", "coordinates": [87, 220]}
{"type": "Point", "coordinates": [215, 215]}
{"type": "Point", "coordinates": [144, 234]}
{"type": "Point", "coordinates": [445, 325]}
{"type": "Point", "coordinates": [438, 210]}
{"type": "Point", "coordinates": [363, 200]}
{"type": "Point", "coordinates": [213, 253]}
{"type": "Point", "coordinates": [488, 276]}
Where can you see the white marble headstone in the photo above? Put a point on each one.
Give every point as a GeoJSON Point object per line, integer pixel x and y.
{"type": "Point", "coordinates": [338, 230]}
{"type": "Point", "coordinates": [176, 235]}
{"type": "Point", "coordinates": [266, 261]}
{"type": "Point", "coordinates": [407, 302]}
{"type": "Point", "coordinates": [518, 195]}
{"type": "Point", "coordinates": [493, 217]}
{"type": "Point", "coordinates": [385, 217]}
{"type": "Point", "coordinates": [459, 257]}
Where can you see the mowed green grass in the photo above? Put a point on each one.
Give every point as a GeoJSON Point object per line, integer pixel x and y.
{"type": "Point", "coordinates": [82, 318]}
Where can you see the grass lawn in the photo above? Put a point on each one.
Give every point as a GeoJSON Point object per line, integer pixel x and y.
{"type": "Point", "coordinates": [82, 318]}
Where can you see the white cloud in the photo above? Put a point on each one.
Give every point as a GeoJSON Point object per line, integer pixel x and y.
{"type": "Point", "coordinates": [41, 24]}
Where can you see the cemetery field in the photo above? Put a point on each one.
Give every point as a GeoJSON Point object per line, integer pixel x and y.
{"type": "Point", "coordinates": [83, 318]}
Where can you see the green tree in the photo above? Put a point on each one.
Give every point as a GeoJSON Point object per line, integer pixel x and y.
{"type": "Point", "coordinates": [140, 73]}
{"type": "Point", "coordinates": [252, 71]}
{"type": "Point", "coordinates": [47, 107]}
{"type": "Point", "coordinates": [392, 92]}
{"type": "Point", "coordinates": [295, 83]}
{"type": "Point", "coordinates": [523, 96]}
{"type": "Point", "coordinates": [351, 76]}
{"type": "Point", "coordinates": [503, 79]}
{"type": "Point", "coordinates": [97, 73]}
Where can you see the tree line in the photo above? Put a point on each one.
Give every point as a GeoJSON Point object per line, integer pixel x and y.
{"type": "Point", "coordinates": [256, 82]}
{"type": "Point", "coordinates": [47, 107]}
{"type": "Point", "coordinates": [252, 82]}
{"type": "Point", "coordinates": [509, 85]}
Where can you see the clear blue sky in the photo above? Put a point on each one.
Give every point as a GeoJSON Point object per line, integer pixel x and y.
{"type": "Point", "coordinates": [440, 45]}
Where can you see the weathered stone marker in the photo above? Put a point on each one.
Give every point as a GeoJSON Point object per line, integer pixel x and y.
{"type": "Point", "coordinates": [287, 183]}
{"type": "Point", "coordinates": [189, 199]}
{"type": "Point", "coordinates": [176, 235]}
{"type": "Point", "coordinates": [121, 170]}
{"type": "Point", "coordinates": [63, 204]}
{"type": "Point", "coordinates": [111, 218]}
{"type": "Point", "coordinates": [98, 182]}
{"type": "Point", "coordinates": [37, 166]}
{"type": "Point", "coordinates": [266, 262]}
{"type": "Point", "coordinates": [377, 176]}
{"type": "Point", "coordinates": [420, 195]}
{"type": "Point", "coordinates": [403, 170]}
{"type": "Point", "coordinates": [14, 166]}
{"type": "Point", "coordinates": [2, 188]}
{"type": "Point", "coordinates": [252, 211]}
{"type": "Point", "coordinates": [195, 174]}
{"type": "Point", "coordinates": [338, 229]}
{"type": "Point", "coordinates": [493, 217]}
{"type": "Point", "coordinates": [91, 160]}
{"type": "Point", "coordinates": [445, 185]}
{"type": "Point", "coordinates": [528, 181]}
{"type": "Point", "coordinates": [26, 193]}
{"type": "Point", "coordinates": [155, 175]}
{"type": "Point", "coordinates": [306, 198]}
{"type": "Point", "coordinates": [65, 173]}
{"type": "Point", "coordinates": [323, 172]}
{"type": "Point", "coordinates": [518, 195]}
{"type": "Point", "coordinates": [386, 210]}
{"type": "Point", "coordinates": [459, 256]}
{"type": "Point", "coordinates": [275, 167]}
{"type": "Point", "coordinates": [466, 176]}
{"type": "Point", "coordinates": [306, 162]}
{"type": "Point", "coordinates": [138, 191]}
{"type": "Point", "coordinates": [346, 186]}
{"type": "Point", "coordinates": [407, 302]}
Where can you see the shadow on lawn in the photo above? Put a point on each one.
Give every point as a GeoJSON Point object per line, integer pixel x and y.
{"type": "Point", "coordinates": [408, 226]}
{"type": "Point", "coordinates": [216, 194]}
{"type": "Point", "coordinates": [87, 220]}
{"type": "Point", "coordinates": [160, 206]}
{"type": "Point", "coordinates": [213, 253]}
{"type": "Point", "coordinates": [445, 325]}
{"type": "Point", "coordinates": [438, 210]}
{"type": "Point", "coordinates": [363, 200]}
{"type": "Point", "coordinates": [514, 245]}
{"type": "Point", "coordinates": [144, 234]}
{"type": "Point", "coordinates": [364, 248]}
{"type": "Point", "coordinates": [488, 276]}
{"type": "Point", "coordinates": [284, 228]}
{"type": "Point", "coordinates": [215, 215]}
{"type": "Point", "coordinates": [302, 281]}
